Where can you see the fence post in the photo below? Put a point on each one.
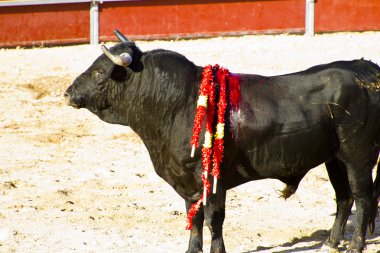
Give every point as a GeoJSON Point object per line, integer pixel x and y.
{"type": "Point", "coordinates": [309, 20]}
{"type": "Point", "coordinates": [94, 22]}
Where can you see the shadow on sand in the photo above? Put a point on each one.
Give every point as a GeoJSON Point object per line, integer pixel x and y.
{"type": "Point", "coordinates": [318, 237]}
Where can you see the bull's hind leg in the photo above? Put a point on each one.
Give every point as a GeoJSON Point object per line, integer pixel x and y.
{"type": "Point", "coordinates": [360, 179]}
{"type": "Point", "coordinates": [196, 233]}
{"type": "Point", "coordinates": [339, 179]}
{"type": "Point", "coordinates": [359, 164]}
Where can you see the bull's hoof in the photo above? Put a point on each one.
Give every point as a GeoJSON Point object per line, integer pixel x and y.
{"type": "Point", "coordinates": [328, 249]}
{"type": "Point", "coordinates": [218, 251]}
{"type": "Point", "coordinates": [194, 251]}
{"type": "Point", "coordinates": [354, 251]}
{"type": "Point", "coordinates": [356, 247]}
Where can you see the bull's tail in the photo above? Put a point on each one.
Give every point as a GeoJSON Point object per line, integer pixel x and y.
{"type": "Point", "coordinates": [375, 201]}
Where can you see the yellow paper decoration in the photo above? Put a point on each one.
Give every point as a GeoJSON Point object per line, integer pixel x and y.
{"type": "Point", "coordinates": [202, 101]}
{"type": "Point", "coordinates": [219, 131]}
{"type": "Point", "coordinates": [208, 140]}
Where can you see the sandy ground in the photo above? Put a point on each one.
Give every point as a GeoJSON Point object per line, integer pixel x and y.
{"type": "Point", "coordinates": [72, 183]}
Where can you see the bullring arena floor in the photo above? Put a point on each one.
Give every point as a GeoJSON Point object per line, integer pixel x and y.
{"type": "Point", "coordinates": [72, 183]}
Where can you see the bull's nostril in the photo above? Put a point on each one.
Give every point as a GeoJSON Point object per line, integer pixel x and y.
{"type": "Point", "coordinates": [74, 101]}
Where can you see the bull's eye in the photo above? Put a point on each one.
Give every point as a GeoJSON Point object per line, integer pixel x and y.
{"type": "Point", "coordinates": [98, 74]}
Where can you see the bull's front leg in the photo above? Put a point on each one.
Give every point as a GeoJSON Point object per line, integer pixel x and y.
{"type": "Point", "coordinates": [196, 233]}
{"type": "Point", "coordinates": [214, 213]}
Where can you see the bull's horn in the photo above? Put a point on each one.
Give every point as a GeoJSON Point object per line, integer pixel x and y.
{"type": "Point", "coordinates": [121, 36]}
{"type": "Point", "coordinates": [125, 59]}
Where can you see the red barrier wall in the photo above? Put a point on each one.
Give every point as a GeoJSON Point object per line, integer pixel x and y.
{"type": "Point", "coordinates": [149, 19]}
{"type": "Point", "coordinates": [155, 19]}
{"type": "Point", "coordinates": [44, 24]}
{"type": "Point", "coordinates": [347, 15]}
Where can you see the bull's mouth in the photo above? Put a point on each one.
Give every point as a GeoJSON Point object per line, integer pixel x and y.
{"type": "Point", "coordinates": [72, 103]}
{"type": "Point", "coordinates": [80, 103]}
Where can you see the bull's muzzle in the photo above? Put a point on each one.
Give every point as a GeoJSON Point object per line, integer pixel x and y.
{"type": "Point", "coordinates": [72, 100]}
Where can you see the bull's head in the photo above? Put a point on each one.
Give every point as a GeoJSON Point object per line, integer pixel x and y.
{"type": "Point", "coordinates": [101, 86]}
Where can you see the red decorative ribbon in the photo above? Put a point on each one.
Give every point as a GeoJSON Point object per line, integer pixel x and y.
{"type": "Point", "coordinates": [222, 74]}
{"type": "Point", "coordinates": [212, 147]}
{"type": "Point", "coordinates": [204, 90]}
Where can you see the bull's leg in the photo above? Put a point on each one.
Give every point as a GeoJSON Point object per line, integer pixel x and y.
{"type": "Point", "coordinates": [214, 213]}
{"type": "Point", "coordinates": [362, 186]}
{"type": "Point", "coordinates": [196, 233]}
{"type": "Point", "coordinates": [344, 200]}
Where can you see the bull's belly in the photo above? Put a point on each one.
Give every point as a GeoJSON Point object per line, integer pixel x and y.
{"type": "Point", "coordinates": [289, 155]}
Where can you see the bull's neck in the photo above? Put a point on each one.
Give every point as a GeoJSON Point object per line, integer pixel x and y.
{"type": "Point", "coordinates": [163, 95]}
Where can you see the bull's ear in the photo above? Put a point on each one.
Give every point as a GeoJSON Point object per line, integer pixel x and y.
{"type": "Point", "coordinates": [119, 73]}
{"type": "Point", "coordinates": [137, 65]}
{"type": "Point", "coordinates": [121, 36]}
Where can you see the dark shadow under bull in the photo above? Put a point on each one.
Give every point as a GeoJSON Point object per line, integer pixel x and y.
{"type": "Point", "coordinates": [284, 126]}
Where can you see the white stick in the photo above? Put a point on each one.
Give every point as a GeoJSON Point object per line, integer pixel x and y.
{"type": "Point", "coordinates": [214, 185]}
{"type": "Point", "coordinates": [192, 151]}
{"type": "Point", "coordinates": [204, 196]}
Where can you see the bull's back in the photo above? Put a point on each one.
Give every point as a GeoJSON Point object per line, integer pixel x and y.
{"type": "Point", "coordinates": [286, 123]}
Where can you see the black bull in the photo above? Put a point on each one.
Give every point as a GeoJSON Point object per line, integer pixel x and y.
{"type": "Point", "coordinates": [286, 125]}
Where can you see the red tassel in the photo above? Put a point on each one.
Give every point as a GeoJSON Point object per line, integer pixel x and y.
{"type": "Point", "coordinates": [211, 107]}
{"type": "Point", "coordinates": [217, 157]}
{"type": "Point", "coordinates": [222, 104]}
{"type": "Point", "coordinates": [192, 212]}
{"type": "Point", "coordinates": [206, 184]}
{"type": "Point", "coordinates": [206, 105]}
{"type": "Point", "coordinates": [198, 119]}
{"type": "Point", "coordinates": [223, 75]}
{"type": "Point", "coordinates": [206, 158]}
{"type": "Point", "coordinates": [204, 89]}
